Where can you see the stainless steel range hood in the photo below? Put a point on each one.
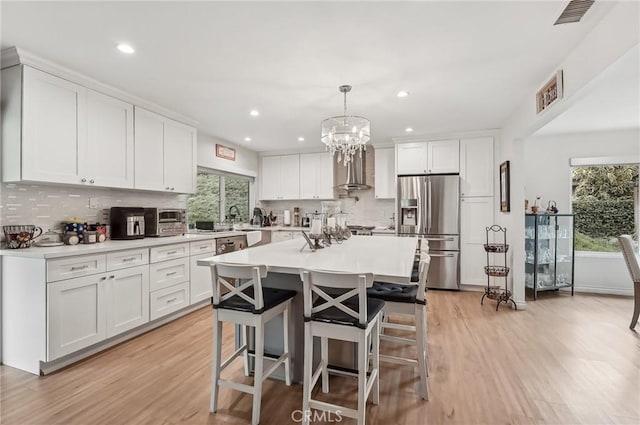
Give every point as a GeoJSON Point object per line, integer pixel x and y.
{"type": "Point", "coordinates": [355, 178]}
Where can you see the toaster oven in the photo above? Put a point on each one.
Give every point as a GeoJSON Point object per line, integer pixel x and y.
{"type": "Point", "coordinates": [164, 222]}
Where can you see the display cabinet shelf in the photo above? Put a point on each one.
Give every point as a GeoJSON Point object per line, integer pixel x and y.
{"type": "Point", "coordinates": [549, 252]}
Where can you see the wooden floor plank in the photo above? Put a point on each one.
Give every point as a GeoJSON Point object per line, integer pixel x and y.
{"type": "Point", "coordinates": [565, 360]}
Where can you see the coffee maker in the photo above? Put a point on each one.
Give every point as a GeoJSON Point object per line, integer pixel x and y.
{"type": "Point", "coordinates": [258, 217]}
{"type": "Point", "coordinates": [127, 222]}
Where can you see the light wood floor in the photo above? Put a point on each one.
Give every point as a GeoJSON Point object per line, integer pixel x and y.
{"type": "Point", "coordinates": [562, 361]}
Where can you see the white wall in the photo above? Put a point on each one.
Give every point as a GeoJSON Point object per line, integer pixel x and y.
{"type": "Point", "coordinates": [246, 162]}
{"type": "Point", "coordinates": [547, 171]}
{"type": "Point", "coordinates": [611, 38]}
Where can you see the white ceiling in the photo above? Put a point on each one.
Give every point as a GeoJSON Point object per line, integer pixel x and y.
{"type": "Point", "coordinates": [467, 65]}
{"type": "Point", "coordinates": [612, 102]}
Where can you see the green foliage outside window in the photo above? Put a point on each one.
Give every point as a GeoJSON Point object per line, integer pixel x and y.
{"type": "Point", "coordinates": [205, 204]}
{"type": "Point", "coordinates": [605, 205]}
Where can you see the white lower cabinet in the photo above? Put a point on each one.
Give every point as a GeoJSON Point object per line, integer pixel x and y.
{"type": "Point", "coordinates": [76, 314]}
{"type": "Point", "coordinates": [127, 293]}
{"type": "Point", "coordinates": [167, 300]}
{"type": "Point", "coordinates": [476, 214]}
{"type": "Point", "coordinates": [201, 287]}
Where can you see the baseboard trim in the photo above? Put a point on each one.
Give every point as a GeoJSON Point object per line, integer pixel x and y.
{"type": "Point", "coordinates": [49, 367]}
{"type": "Point", "coordinates": [603, 291]}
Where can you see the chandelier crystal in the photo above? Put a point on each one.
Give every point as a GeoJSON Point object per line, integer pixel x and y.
{"type": "Point", "coordinates": [346, 134]}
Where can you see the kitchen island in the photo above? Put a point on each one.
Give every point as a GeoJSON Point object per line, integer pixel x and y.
{"type": "Point", "coordinates": [390, 259]}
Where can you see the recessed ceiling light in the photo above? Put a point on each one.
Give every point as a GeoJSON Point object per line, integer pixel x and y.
{"type": "Point", "coordinates": [403, 93]}
{"type": "Point", "coordinates": [408, 129]}
{"type": "Point", "coordinates": [254, 113]}
{"type": "Point", "coordinates": [125, 48]}
{"type": "Point", "coordinates": [247, 139]}
{"type": "Point", "coordinates": [300, 139]}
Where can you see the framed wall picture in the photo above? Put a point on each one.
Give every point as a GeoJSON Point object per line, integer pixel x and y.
{"type": "Point", "coordinates": [225, 152]}
{"type": "Point", "coordinates": [504, 187]}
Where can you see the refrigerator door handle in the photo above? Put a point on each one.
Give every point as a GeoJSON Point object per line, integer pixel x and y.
{"type": "Point", "coordinates": [440, 239]}
{"type": "Point", "coordinates": [429, 205]}
{"type": "Point", "coordinates": [441, 255]}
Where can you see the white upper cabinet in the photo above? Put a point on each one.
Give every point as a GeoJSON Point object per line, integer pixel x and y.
{"type": "Point", "coordinates": [280, 177]}
{"type": "Point", "coordinates": [180, 146]}
{"type": "Point", "coordinates": [107, 155]}
{"type": "Point", "coordinates": [429, 157]}
{"type": "Point", "coordinates": [476, 167]}
{"type": "Point", "coordinates": [149, 150]}
{"type": "Point", "coordinates": [385, 176]}
{"type": "Point", "coordinates": [316, 176]}
{"type": "Point", "coordinates": [165, 153]}
{"type": "Point", "coordinates": [270, 177]}
{"type": "Point", "coordinates": [53, 128]}
{"type": "Point", "coordinates": [443, 156]}
{"type": "Point", "coordinates": [412, 158]}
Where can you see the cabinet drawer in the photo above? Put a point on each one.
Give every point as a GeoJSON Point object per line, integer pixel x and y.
{"type": "Point", "coordinates": [168, 252]}
{"type": "Point", "coordinates": [202, 247]}
{"type": "Point", "coordinates": [168, 273]}
{"type": "Point", "coordinates": [126, 259]}
{"type": "Point", "coordinates": [67, 268]}
{"type": "Point", "coordinates": [168, 300]}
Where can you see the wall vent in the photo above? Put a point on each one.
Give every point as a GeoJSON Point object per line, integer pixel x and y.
{"type": "Point", "coordinates": [574, 11]}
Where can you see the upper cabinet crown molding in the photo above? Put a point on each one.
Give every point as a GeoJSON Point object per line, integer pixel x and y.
{"type": "Point", "coordinates": [18, 56]}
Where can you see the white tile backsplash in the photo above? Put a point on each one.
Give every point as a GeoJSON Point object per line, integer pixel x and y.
{"type": "Point", "coordinates": [367, 211]}
{"type": "Point", "coordinates": [47, 205]}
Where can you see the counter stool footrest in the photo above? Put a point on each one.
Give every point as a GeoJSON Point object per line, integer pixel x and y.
{"type": "Point", "coordinates": [277, 362]}
{"type": "Point", "coordinates": [398, 326]}
{"type": "Point", "coordinates": [328, 407]}
{"type": "Point", "coordinates": [236, 386]}
{"type": "Point", "coordinates": [398, 360]}
{"type": "Point", "coordinates": [397, 339]}
{"type": "Point", "coordinates": [232, 357]}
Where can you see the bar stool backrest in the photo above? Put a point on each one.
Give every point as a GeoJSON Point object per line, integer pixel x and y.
{"type": "Point", "coordinates": [355, 285]}
{"type": "Point", "coordinates": [425, 260]}
{"type": "Point", "coordinates": [220, 272]}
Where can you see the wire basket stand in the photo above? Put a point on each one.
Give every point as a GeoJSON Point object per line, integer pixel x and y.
{"type": "Point", "coordinates": [495, 292]}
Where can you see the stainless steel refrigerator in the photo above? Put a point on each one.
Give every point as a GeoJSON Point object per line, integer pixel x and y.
{"type": "Point", "coordinates": [429, 207]}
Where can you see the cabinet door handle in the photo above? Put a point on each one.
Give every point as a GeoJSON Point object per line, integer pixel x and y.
{"type": "Point", "coordinates": [83, 180]}
{"type": "Point", "coordinates": [73, 269]}
{"type": "Point", "coordinates": [166, 188]}
{"type": "Point", "coordinates": [103, 278]}
{"type": "Point", "coordinates": [171, 252]}
{"type": "Point", "coordinates": [204, 247]}
{"type": "Point", "coordinates": [171, 273]}
{"type": "Point", "coordinates": [112, 277]}
{"type": "Point", "coordinates": [169, 301]}
{"type": "Point", "coordinates": [92, 181]}
{"type": "Point", "coordinates": [124, 260]}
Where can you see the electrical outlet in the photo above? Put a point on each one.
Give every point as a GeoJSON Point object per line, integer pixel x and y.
{"type": "Point", "coordinates": [93, 203]}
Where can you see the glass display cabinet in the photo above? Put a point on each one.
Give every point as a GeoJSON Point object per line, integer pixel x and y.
{"type": "Point", "coordinates": [549, 252]}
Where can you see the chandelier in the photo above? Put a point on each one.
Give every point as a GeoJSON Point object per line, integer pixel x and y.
{"type": "Point", "coordinates": [346, 134]}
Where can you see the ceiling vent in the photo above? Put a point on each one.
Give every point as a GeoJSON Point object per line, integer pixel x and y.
{"type": "Point", "coordinates": [574, 11]}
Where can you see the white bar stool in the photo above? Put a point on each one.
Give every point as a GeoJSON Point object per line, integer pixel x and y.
{"type": "Point", "coordinates": [248, 304]}
{"type": "Point", "coordinates": [407, 300]}
{"type": "Point", "coordinates": [349, 316]}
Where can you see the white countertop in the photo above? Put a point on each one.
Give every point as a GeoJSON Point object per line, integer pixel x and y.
{"type": "Point", "coordinates": [111, 245]}
{"type": "Point", "coordinates": [390, 259]}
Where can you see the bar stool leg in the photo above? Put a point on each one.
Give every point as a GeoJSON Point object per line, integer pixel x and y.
{"type": "Point", "coordinates": [245, 341]}
{"type": "Point", "coordinates": [324, 351]}
{"type": "Point", "coordinates": [257, 376]}
{"type": "Point", "coordinates": [308, 367]}
{"type": "Point", "coordinates": [216, 359]}
{"type": "Point", "coordinates": [421, 351]}
{"type": "Point", "coordinates": [375, 340]}
{"type": "Point", "coordinates": [286, 316]}
{"type": "Point", "coordinates": [363, 362]}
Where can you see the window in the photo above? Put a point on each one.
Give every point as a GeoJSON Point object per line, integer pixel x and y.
{"type": "Point", "coordinates": [216, 193]}
{"type": "Point", "coordinates": [605, 203]}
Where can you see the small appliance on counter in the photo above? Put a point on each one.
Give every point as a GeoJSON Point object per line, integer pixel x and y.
{"type": "Point", "coordinates": [258, 217]}
{"type": "Point", "coordinates": [286, 221]}
{"type": "Point", "coordinates": [306, 221]}
{"type": "Point", "coordinates": [296, 217]}
{"type": "Point", "coordinates": [127, 222]}
{"type": "Point", "coordinates": [164, 222]}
